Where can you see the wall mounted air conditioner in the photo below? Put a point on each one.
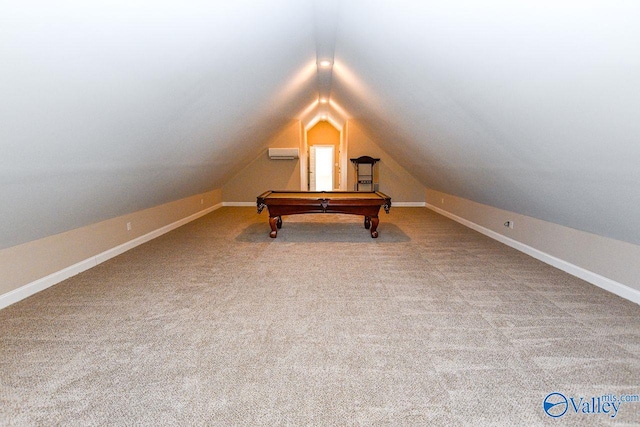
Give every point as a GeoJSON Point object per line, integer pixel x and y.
{"type": "Point", "coordinates": [284, 153]}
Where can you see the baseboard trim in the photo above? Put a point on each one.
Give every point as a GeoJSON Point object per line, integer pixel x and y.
{"type": "Point", "coordinates": [605, 283]}
{"type": "Point", "coordinates": [113, 252]}
{"type": "Point", "coordinates": [239, 204]}
{"type": "Point", "coordinates": [43, 283]}
{"type": "Point", "coordinates": [408, 204]}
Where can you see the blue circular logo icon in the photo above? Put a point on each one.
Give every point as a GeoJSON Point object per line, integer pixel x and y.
{"type": "Point", "coordinates": [555, 405]}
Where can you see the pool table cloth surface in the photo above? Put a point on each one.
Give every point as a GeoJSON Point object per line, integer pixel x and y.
{"type": "Point", "coordinates": [316, 195]}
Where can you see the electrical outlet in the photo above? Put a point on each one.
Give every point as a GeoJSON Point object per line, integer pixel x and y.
{"type": "Point", "coordinates": [128, 226]}
{"type": "Point", "coordinates": [509, 224]}
{"type": "Point", "coordinates": [442, 201]}
{"type": "Point", "coordinates": [202, 201]}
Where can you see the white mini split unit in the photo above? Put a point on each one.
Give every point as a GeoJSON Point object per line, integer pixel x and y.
{"type": "Point", "coordinates": [284, 153]}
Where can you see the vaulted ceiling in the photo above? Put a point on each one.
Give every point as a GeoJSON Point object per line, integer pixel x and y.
{"type": "Point", "coordinates": [111, 107]}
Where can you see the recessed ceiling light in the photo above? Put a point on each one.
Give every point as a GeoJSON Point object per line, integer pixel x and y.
{"type": "Point", "coordinates": [324, 63]}
{"type": "Point", "coordinates": [323, 100]}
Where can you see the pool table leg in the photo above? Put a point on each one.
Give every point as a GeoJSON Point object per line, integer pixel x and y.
{"type": "Point", "coordinates": [273, 223]}
{"type": "Point", "coordinates": [374, 226]}
{"type": "Point", "coordinates": [367, 222]}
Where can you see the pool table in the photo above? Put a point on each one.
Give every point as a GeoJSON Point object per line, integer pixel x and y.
{"type": "Point", "coordinates": [366, 203]}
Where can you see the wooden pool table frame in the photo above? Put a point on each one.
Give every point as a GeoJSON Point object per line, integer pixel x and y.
{"type": "Point", "coordinates": [366, 203]}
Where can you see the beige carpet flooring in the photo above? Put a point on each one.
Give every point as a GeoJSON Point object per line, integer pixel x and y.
{"type": "Point", "coordinates": [217, 324]}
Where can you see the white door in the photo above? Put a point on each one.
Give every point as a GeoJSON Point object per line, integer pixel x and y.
{"type": "Point", "coordinates": [312, 168]}
{"type": "Point", "coordinates": [321, 159]}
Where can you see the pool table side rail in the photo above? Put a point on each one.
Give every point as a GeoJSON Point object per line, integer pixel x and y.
{"type": "Point", "coordinates": [363, 203]}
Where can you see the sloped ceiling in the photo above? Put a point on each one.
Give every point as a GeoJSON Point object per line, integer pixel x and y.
{"type": "Point", "coordinates": [529, 106]}
{"type": "Point", "coordinates": [111, 107]}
